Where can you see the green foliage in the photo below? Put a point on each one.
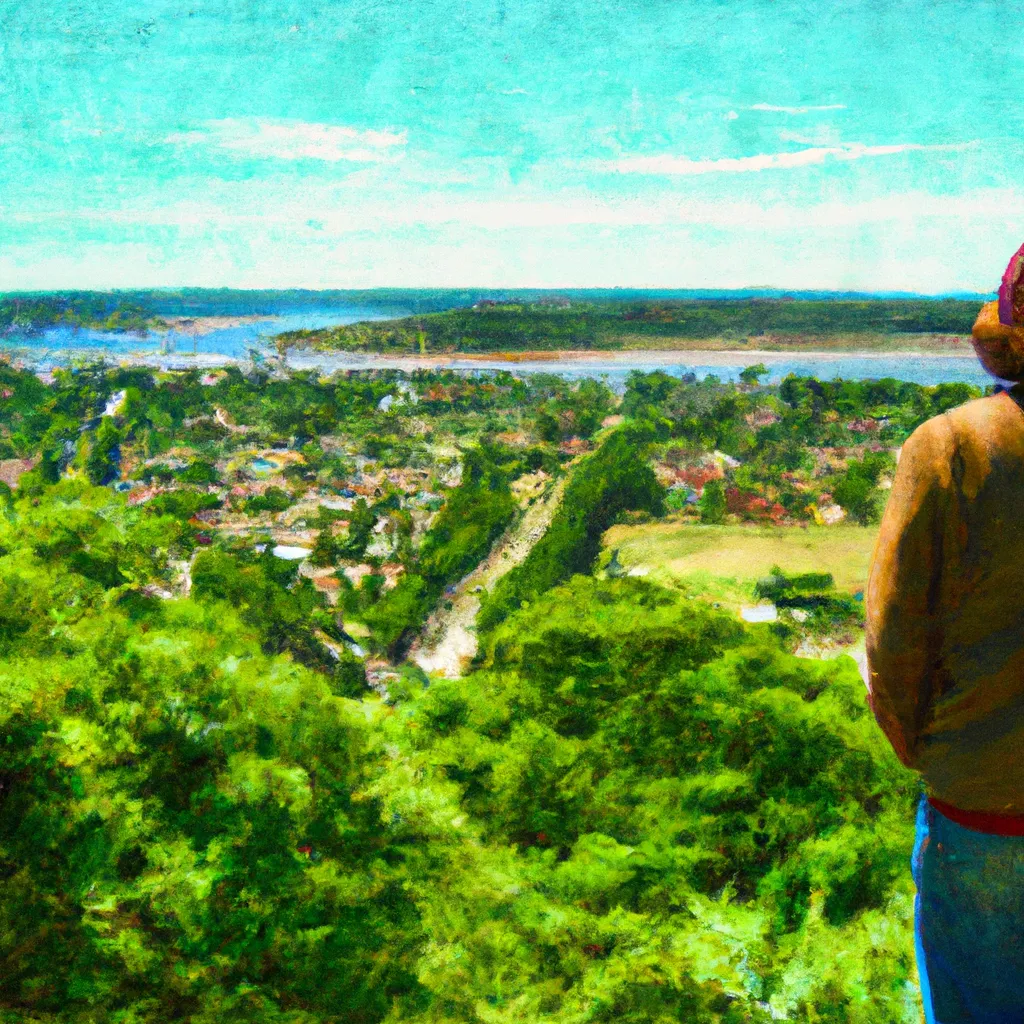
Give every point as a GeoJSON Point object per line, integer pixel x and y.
{"type": "Point", "coordinates": [276, 604]}
{"type": "Point", "coordinates": [712, 502]}
{"type": "Point", "coordinates": [273, 499]}
{"type": "Point", "coordinates": [81, 309]}
{"type": "Point", "coordinates": [823, 611]}
{"type": "Point", "coordinates": [101, 452]}
{"type": "Point", "coordinates": [199, 471]}
{"type": "Point", "coordinates": [645, 815]}
{"type": "Point", "coordinates": [611, 481]}
{"type": "Point", "coordinates": [582, 324]}
{"type": "Point", "coordinates": [325, 549]}
{"type": "Point", "coordinates": [401, 611]}
{"type": "Point", "coordinates": [751, 374]}
{"type": "Point", "coordinates": [473, 517]}
{"type": "Point", "coordinates": [182, 504]}
{"type": "Point", "coordinates": [360, 530]}
{"type": "Point", "coordinates": [857, 490]}
{"type": "Point", "coordinates": [791, 591]}
{"type": "Point", "coordinates": [183, 834]}
{"type": "Point", "coordinates": [574, 413]}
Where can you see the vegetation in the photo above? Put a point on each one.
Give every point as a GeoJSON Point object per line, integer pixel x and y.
{"type": "Point", "coordinates": [607, 484]}
{"type": "Point", "coordinates": [474, 516]}
{"type": "Point", "coordinates": [618, 809]}
{"type": "Point", "coordinates": [586, 324]}
{"type": "Point", "coordinates": [225, 795]}
{"type": "Point", "coordinates": [102, 311]}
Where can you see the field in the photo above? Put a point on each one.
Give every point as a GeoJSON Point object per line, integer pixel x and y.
{"type": "Point", "coordinates": [724, 562]}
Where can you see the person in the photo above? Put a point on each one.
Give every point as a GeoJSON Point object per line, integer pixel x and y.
{"type": "Point", "coordinates": [945, 653]}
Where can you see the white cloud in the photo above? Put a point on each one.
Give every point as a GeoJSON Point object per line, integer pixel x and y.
{"type": "Point", "coordinates": [819, 135]}
{"type": "Point", "coordinates": [914, 241]}
{"type": "Point", "coordinates": [668, 164]}
{"type": "Point", "coordinates": [294, 140]}
{"type": "Point", "coordinates": [338, 212]}
{"type": "Point", "coordinates": [797, 110]}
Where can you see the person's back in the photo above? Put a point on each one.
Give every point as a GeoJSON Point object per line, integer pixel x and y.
{"type": "Point", "coordinates": [946, 607]}
{"type": "Point", "coordinates": [945, 635]}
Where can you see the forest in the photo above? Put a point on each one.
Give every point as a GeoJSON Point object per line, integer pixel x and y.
{"type": "Point", "coordinates": [557, 323]}
{"type": "Point", "coordinates": [230, 791]}
{"type": "Point", "coordinates": [473, 320]}
{"type": "Point", "coordinates": [101, 311]}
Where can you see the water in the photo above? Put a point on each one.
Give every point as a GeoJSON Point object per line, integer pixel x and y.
{"type": "Point", "coordinates": [239, 341]}
{"type": "Point", "coordinates": [236, 339]}
{"type": "Point", "coordinates": [615, 367]}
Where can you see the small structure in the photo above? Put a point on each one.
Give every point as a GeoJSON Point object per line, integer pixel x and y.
{"type": "Point", "coordinates": [11, 470]}
{"type": "Point", "coordinates": [832, 514]}
{"type": "Point", "coordinates": [759, 613]}
{"type": "Point", "coordinates": [290, 552]}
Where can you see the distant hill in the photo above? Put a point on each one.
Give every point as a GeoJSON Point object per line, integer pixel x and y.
{"type": "Point", "coordinates": [621, 321]}
{"type": "Point", "coordinates": [477, 319]}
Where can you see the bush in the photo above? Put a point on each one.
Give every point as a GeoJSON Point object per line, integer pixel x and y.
{"type": "Point", "coordinates": [645, 814]}
{"type": "Point", "coordinates": [199, 471]}
{"type": "Point", "coordinates": [273, 499]}
{"type": "Point", "coordinates": [612, 480]}
{"type": "Point", "coordinates": [712, 503]}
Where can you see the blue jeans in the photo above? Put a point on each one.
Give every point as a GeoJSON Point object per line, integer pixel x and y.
{"type": "Point", "coordinates": [969, 922]}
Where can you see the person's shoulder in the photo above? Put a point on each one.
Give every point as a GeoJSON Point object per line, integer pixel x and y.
{"type": "Point", "coordinates": [982, 417]}
{"type": "Point", "coordinates": [936, 435]}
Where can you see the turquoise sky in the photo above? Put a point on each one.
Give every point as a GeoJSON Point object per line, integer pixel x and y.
{"type": "Point", "coordinates": [660, 143]}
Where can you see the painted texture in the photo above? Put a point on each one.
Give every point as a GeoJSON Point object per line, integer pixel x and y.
{"type": "Point", "coordinates": [585, 143]}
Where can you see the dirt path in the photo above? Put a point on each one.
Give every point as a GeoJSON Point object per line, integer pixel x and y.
{"type": "Point", "coordinates": [449, 638]}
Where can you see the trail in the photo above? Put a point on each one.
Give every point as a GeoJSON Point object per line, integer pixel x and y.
{"type": "Point", "coordinates": [449, 638]}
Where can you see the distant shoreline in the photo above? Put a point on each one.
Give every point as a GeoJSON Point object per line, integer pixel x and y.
{"type": "Point", "coordinates": [341, 360]}
{"type": "Point", "coordinates": [203, 324]}
{"type": "Point", "coordinates": [633, 347]}
{"type": "Point", "coordinates": [707, 357]}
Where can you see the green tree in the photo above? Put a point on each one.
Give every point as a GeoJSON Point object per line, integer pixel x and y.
{"type": "Point", "coordinates": [616, 478]}
{"type": "Point", "coordinates": [101, 454]}
{"type": "Point", "coordinates": [325, 549]}
{"type": "Point", "coordinates": [645, 813]}
{"type": "Point", "coordinates": [712, 502]}
{"type": "Point", "coordinates": [360, 530]}
{"type": "Point", "coordinates": [857, 489]}
{"type": "Point", "coordinates": [752, 374]}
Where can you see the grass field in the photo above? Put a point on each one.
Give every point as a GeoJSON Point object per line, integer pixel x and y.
{"type": "Point", "coordinates": [724, 562]}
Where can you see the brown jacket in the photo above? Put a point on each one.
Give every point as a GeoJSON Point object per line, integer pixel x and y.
{"type": "Point", "coordinates": [945, 607]}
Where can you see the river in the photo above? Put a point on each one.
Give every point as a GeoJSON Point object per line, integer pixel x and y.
{"type": "Point", "coordinates": [238, 339]}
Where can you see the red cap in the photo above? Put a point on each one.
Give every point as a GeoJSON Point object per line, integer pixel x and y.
{"type": "Point", "coordinates": [1009, 284]}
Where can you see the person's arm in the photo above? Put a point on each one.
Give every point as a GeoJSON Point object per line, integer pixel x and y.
{"type": "Point", "coordinates": [902, 620]}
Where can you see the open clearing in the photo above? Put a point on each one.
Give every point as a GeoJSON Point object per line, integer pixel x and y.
{"type": "Point", "coordinates": [726, 561]}
{"type": "Point", "coordinates": [721, 564]}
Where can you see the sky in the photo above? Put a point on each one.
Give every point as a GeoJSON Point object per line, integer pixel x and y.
{"type": "Point", "coordinates": [860, 145]}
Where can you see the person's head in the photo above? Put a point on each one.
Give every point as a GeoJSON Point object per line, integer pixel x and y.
{"type": "Point", "coordinates": [998, 333]}
{"type": "Point", "coordinates": [999, 347]}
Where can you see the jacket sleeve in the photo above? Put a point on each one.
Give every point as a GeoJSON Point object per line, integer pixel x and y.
{"type": "Point", "coordinates": [903, 628]}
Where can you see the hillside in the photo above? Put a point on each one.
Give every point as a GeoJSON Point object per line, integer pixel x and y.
{"type": "Point", "coordinates": [229, 780]}
{"type": "Point", "coordinates": [558, 324]}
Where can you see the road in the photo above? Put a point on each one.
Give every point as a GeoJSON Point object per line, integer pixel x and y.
{"type": "Point", "coordinates": [449, 641]}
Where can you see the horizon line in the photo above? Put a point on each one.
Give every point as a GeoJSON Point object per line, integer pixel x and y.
{"type": "Point", "coordinates": [955, 293]}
